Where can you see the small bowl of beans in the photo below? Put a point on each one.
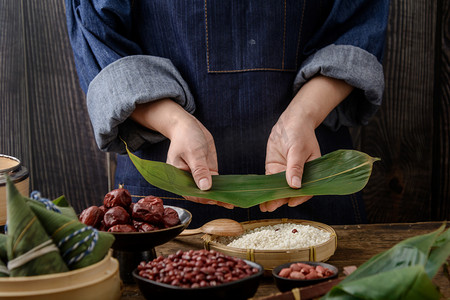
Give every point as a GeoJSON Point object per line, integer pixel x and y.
{"type": "Point", "coordinates": [198, 274]}
{"type": "Point", "coordinates": [299, 274]}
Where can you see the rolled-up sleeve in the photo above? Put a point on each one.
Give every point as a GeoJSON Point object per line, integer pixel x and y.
{"type": "Point", "coordinates": [116, 76]}
{"type": "Point", "coordinates": [114, 93]}
{"type": "Point", "coordinates": [349, 46]}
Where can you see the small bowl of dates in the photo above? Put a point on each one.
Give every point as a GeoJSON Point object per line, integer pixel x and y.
{"type": "Point", "coordinates": [198, 274]}
{"type": "Point", "coordinates": [136, 226]}
{"type": "Point", "coordinates": [300, 274]}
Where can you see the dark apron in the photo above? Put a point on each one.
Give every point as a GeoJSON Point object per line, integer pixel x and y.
{"type": "Point", "coordinates": [240, 62]}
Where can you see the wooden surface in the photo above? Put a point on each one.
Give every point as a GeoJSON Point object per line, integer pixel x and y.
{"type": "Point", "coordinates": [411, 131]}
{"type": "Point", "coordinates": [44, 122]}
{"type": "Point", "coordinates": [356, 244]}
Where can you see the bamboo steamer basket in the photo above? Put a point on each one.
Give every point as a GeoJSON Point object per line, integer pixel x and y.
{"type": "Point", "coordinates": [269, 259]}
{"type": "Point", "coordinates": [98, 281]}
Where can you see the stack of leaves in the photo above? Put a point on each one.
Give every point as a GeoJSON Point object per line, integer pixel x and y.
{"type": "Point", "coordinates": [340, 172]}
{"type": "Point", "coordinates": [403, 272]}
{"type": "Point", "coordinates": [46, 237]}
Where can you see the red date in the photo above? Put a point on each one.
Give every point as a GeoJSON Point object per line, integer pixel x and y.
{"type": "Point", "coordinates": [148, 214]}
{"type": "Point", "coordinates": [92, 216]}
{"type": "Point", "coordinates": [170, 217]}
{"type": "Point", "coordinates": [122, 228]}
{"type": "Point", "coordinates": [117, 197]}
{"type": "Point", "coordinates": [116, 215]}
{"type": "Point", "coordinates": [149, 209]}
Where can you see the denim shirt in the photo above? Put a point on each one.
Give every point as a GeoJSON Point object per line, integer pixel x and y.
{"type": "Point", "coordinates": [235, 65]}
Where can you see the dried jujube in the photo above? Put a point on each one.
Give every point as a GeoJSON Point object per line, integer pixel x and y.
{"type": "Point", "coordinates": [92, 216]}
{"type": "Point", "coordinates": [122, 228]}
{"type": "Point", "coordinates": [170, 217]}
{"type": "Point", "coordinates": [144, 227]}
{"type": "Point", "coordinates": [116, 215]}
{"type": "Point", "coordinates": [119, 214]}
{"type": "Point", "coordinates": [149, 209]}
{"type": "Point", "coordinates": [117, 197]}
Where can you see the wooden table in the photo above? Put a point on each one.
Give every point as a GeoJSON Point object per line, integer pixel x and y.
{"type": "Point", "coordinates": [356, 244]}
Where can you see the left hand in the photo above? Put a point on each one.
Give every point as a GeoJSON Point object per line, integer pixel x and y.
{"type": "Point", "coordinates": [293, 141]}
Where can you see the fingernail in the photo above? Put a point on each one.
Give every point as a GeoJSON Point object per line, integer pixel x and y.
{"type": "Point", "coordinates": [203, 184]}
{"type": "Point", "coordinates": [296, 182]}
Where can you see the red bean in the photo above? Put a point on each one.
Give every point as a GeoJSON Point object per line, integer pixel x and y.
{"type": "Point", "coordinates": [304, 271]}
{"type": "Point", "coordinates": [195, 268]}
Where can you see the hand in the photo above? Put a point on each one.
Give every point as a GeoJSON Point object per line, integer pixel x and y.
{"type": "Point", "coordinates": [191, 145]}
{"type": "Point", "coordinates": [292, 141]}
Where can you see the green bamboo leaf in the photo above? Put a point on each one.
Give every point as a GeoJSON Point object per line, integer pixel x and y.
{"type": "Point", "coordinates": [412, 251]}
{"type": "Point", "coordinates": [405, 271]}
{"type": "Point", "coordinates": [439, 254]}
{"type": "Point", "coordinates": [61, 201]}
{"type": "Point", "coordinates": [337, 173]}
{"type": "Point", "coordinates": [409, 283]}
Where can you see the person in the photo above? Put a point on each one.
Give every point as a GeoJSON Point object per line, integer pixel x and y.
{"type": "Point", "coordinates": [230, 87]}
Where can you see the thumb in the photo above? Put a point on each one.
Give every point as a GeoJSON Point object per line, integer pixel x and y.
{"type": "Point", "coordinates": [202, 175]}
{"type": "Point", "coordinates": [295, 167]}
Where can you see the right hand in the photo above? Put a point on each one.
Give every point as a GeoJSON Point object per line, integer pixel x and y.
{"type": "Point", "coordinates": [191, 145]}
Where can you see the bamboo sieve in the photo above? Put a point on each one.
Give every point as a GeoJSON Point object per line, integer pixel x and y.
{"type": "Point", "coordinates": [269, 259]}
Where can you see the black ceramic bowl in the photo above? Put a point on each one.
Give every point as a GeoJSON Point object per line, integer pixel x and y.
{"type": "Point", "coordinates": [286, 284]}
{"type": "Point", "coordinates": [144, 241]}
{"type": "Point", "coordinates": [240, 289]}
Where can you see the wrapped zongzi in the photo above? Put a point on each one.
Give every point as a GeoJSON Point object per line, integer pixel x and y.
{"type": "Point", "coordinates": [30, 250]}
{"type": "Point", "coordinates": [59, 205]}
{"type": "Point", "coordinates": [80, 245]}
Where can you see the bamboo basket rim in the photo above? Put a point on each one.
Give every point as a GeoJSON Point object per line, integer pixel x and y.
{"type": "Point", "coordinates": [210, 239]}
{"type": "Point", "coordinates": [24, 279]}
{"type": "Point", "coordinates": [62, 289]}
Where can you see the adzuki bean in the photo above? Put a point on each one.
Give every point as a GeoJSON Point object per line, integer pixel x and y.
{"type": "Point", "coordinates": [196, 268]}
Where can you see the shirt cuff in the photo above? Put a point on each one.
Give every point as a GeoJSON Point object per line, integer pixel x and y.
{"type": "Point", "coordinates": [358, 68]}
{"type": "Point", "coordinates": [113, 94]}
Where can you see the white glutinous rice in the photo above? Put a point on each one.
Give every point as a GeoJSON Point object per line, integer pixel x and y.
{"type": "Point", "coordinates": [278, 237]}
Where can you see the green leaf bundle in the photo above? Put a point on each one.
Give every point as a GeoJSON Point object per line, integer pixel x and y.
{"type": "Point", "coordinates": [403, 272]}
{"type": "Point", "coordinates": [75, 239]}
{"type": "Point", "coordinates": [60, 203]}
{"type": "Point", "coordinates": [30, 250]}
{"type": "Point", "coordinates": [337, 173]}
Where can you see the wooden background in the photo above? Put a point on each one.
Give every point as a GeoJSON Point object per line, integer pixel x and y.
{"type": "Point", "coordinates": [44, 121]}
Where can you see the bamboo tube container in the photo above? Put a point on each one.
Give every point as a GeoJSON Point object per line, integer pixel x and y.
{"type": "Point", "coordinates": [12, 167]}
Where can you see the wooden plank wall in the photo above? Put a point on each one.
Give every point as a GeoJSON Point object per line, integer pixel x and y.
{"type": "Point", "coordinates": [411, 133]}
{"type": "Point", "coordinates": [44, 120]}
